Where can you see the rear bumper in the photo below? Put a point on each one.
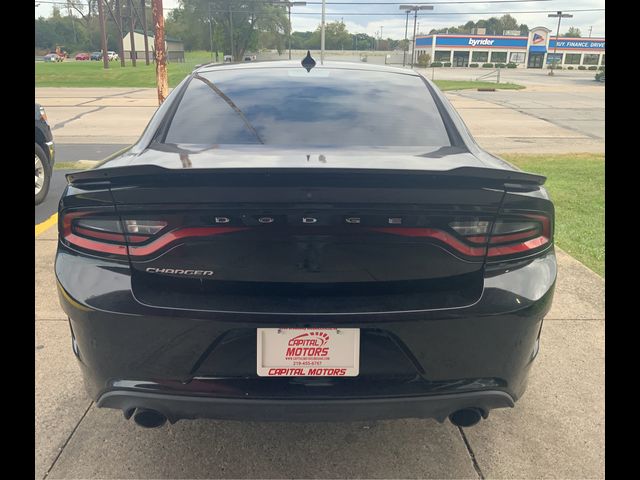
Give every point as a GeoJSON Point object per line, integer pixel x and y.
{"type": "Point", "coordinates": [176, 407]}
{"type": "Point", "coordinates": [192, 364]}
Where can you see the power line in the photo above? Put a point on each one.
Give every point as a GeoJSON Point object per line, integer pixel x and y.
{"type": "Point", "coordinates": [339, 14]}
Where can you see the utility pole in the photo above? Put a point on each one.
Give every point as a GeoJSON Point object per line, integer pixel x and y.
{"type": "Point", "coordinates": [560, 16]}
{"type": "Point", "coordinates": [590, 29]}
{"type": "Point", "coordinates": [161, 54]}
{"type": "Point", "coordinates": [233, 48]}
{"type": "Point", "coordinates": [406, 41]}
{"type": "Point", "coordinates": [119, 24]}
{"type": "Point", "coordinates": [131, 37]}
{"type": "Point", "coordinates": [210, 31]}
{"type": "Point", "coordinates": [103, 34]}
{"type": "Point", "coordinates": [144, 29]}
{"type": "Point", "coordinates": [73, 24]}
{"type": "Point", "coordinates": [414, 8]}
{"type": "Point", "coordinates": [322, 34]}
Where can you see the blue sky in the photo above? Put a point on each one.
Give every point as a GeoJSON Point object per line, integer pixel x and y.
{"type": "Point", "coordinates": [444, 15]}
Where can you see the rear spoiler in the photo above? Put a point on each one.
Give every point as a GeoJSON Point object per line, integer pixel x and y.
{"type": "Point", "coordinates": [137, 172]}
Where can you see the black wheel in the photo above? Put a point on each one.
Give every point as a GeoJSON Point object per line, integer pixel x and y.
{"type": "Point", "coordinates": [43, 174]}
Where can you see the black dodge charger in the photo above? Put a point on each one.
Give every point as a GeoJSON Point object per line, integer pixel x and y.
{"type": "Point", "coordinates": [288, 243]}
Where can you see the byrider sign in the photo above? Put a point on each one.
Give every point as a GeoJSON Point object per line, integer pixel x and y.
{"type": "Point", "coordinates": [474, 42]}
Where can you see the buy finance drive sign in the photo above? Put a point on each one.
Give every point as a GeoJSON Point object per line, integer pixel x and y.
{"type": "Point", "coordinates": [308, 352]}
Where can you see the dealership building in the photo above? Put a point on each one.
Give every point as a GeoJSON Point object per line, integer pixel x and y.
{"type": "Point", "coordinates": [531, 51]}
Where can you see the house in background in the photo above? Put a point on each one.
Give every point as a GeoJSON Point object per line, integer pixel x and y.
{"type": "Point", "coordinates": [173, 46]}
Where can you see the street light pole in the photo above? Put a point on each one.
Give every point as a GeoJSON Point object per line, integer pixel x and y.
{"type": "Point", "coordinates": [560, 16]}
{"type": "Point", "coordinates": [322, 34]}
{"type": "Point", "coordinates": [210, 32]}
{"type": "Point", "coordinates": [406, 41]}
{"type": "Point", "coordinates": [413, 43]}
{"type": "Point", "coordinates": [414, 8]}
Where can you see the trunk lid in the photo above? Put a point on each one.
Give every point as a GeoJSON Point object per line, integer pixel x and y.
{"type": "Point", "coordinates": [262, 229]}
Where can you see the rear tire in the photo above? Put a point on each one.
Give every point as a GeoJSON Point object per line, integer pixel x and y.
{"type": "Point", "coordinates": [42, 174]}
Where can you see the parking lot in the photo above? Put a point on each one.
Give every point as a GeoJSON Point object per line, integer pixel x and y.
{"type": "Point", "coordinates": [555, 431]}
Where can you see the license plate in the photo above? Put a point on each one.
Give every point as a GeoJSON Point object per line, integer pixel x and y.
{"type": "Point", "coordinates": [308, 352]}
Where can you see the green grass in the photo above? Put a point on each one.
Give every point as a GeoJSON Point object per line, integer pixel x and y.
{"type": "Point", "coordinates": [445, 85]}
{"type": "Point", "coordinates": [576, 185]}
{"type": "Point", "coordinates": [92, 74]}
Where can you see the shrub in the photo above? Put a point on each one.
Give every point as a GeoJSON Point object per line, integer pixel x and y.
{"type": "Point", "coordinates": [581, 67]}
{"type": "Point", "coordinates": [593, 67]}
{"type": "Point", "coordinates": [473, 65]}
{"type": "Point", "coordinates": [447, 64]}
{"type": "Point", "coordinates": [569, 68]}
{"type": "Point", "coordinates": [556, 67]}
{"type": "Point", "coordinates": [424, 59]}
{"type": "Point", "coordinates": [500, 65]}
{"type": "Point", "coordinates": [601, 68]}
{"type": "Point", "coordinates": [487, 65]}
{"type": "Point", "coordinates": [436, 64]}
{"type": "Point", "coordinates": [512, 65]}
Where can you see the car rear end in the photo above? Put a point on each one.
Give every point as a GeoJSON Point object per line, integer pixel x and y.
{"type": "Point", "coordinates": [262, 281]}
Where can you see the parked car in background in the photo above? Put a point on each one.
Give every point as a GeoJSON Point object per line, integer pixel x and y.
{"type": "Point", "coordinates": [111, 55]}
{"type": "Point", "coordinates": [600, 76]}
{"type": "Point", "coordinates": [262, 253]}
{"type": "Point", "coordinates": [52, 57]}
{"type": "Point", "coordinates": [82, 56]}
{"type": "Point", "coordinates": [45, 154]}
{"type": "Point", "coordinates": [227, 59]}
{"type": "Point", "coordinates": [96, 56]}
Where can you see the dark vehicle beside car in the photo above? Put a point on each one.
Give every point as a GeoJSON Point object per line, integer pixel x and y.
{"type": "Point", "coordinates": [284, 244]}
{"type": "Point", "coordinates": [95, 56]}
{"type": "Point", "coordinates": [45, 154]}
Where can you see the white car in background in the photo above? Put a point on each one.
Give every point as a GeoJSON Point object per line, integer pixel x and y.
{"type": "Point", "coordinates": [111, 55]}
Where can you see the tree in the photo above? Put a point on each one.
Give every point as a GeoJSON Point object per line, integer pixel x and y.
{"type": "Point", "coordinates": [572, 32]}
{"type": "Point", "coordinates": [237, 26]}
{"type": "Point", "coordinates": [508, 23]}
{"type": "Point", "coordinates": [493, 26]}
{"type": "Point", "coordinates": [336, 37]}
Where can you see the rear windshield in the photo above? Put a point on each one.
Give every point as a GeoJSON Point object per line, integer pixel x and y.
{"type": "Point", "coordinates": [283, 106]}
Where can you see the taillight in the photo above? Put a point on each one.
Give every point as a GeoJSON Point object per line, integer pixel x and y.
{"type": "Point", "coordinates": [516, 235]}
{"type": "Point", "coordinates": [519, 235]}
{"type": "Point", "coordinates": [110, 235]}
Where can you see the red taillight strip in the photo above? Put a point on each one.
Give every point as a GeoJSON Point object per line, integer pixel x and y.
{"type": "Point", "coordinates": [518, 247]}
{"type": "Point", "coordinates": [512, 237]}
{"type": "Point", "coordinates": [433, 233]}
{"type": "Point", "coordinates": [180, 234]}
{"type": "Point", "coordinates": [531, 244]}
{"type": "Point", "coordinates": [114, 237]}
{"type": "Point", "coordinates": [96, 245]}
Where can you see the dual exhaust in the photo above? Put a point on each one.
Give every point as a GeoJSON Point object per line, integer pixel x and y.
{"type": "Point", "coordinates": [466, 417]}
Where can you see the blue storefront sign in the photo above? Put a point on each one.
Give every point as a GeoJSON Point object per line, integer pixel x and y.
{"type": "Point", "coordinates": [577, 44]}
{"type": "Point", "coordinates": [482, 42]}
{"type": "Point", "coordinates": [424, 41]}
